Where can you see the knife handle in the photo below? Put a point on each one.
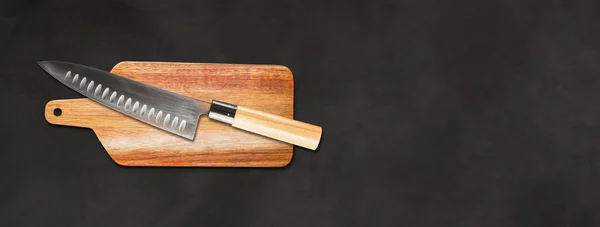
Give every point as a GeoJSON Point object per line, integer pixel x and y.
{"type": "Point", "coordinates": [266, 124]}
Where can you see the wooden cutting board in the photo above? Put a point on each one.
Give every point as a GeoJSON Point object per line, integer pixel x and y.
{"type": "Point", "coordinates": [268, 88]}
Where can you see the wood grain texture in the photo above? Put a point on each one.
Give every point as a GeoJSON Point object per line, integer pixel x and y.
{"type": "Point", "coordinates": [132, 143]}
{"type": "Point", "coordinates": [277, 127]}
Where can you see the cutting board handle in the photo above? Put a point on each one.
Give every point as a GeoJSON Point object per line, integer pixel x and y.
{"type": "Point", "coordinates": [266, 124]}
{"type": "Point", "coordinates": [277, 127]}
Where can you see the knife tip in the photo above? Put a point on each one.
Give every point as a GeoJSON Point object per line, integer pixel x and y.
{"type": "Point", "coordinates": [48, 66]}
{"type": "Point", "coordinates": [43, 63]}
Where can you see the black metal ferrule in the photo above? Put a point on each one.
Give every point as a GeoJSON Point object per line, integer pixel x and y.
{"type": "Point", "coordinates": [222, 111]}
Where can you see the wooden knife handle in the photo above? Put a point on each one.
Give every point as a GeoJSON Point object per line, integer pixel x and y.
{"type": "Point", "coordinates": [266, 124]}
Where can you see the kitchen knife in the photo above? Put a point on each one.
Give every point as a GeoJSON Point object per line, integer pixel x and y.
{"type": "Point", "coordinates": [176, 113]}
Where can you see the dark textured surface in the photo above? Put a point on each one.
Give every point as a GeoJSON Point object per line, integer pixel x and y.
{"type": "Point", "coordinates": [435, 113]}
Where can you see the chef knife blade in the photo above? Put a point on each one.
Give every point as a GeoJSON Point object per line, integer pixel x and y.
{"type": "Point", "coordinates": [172, 112]}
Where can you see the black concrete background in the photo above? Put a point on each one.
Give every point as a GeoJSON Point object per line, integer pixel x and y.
{"type": "Point", "coordinates": [435, 113]}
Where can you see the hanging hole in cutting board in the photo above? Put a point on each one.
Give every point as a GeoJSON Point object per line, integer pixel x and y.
{"type": "Point", "coordinates": [57, 112]}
